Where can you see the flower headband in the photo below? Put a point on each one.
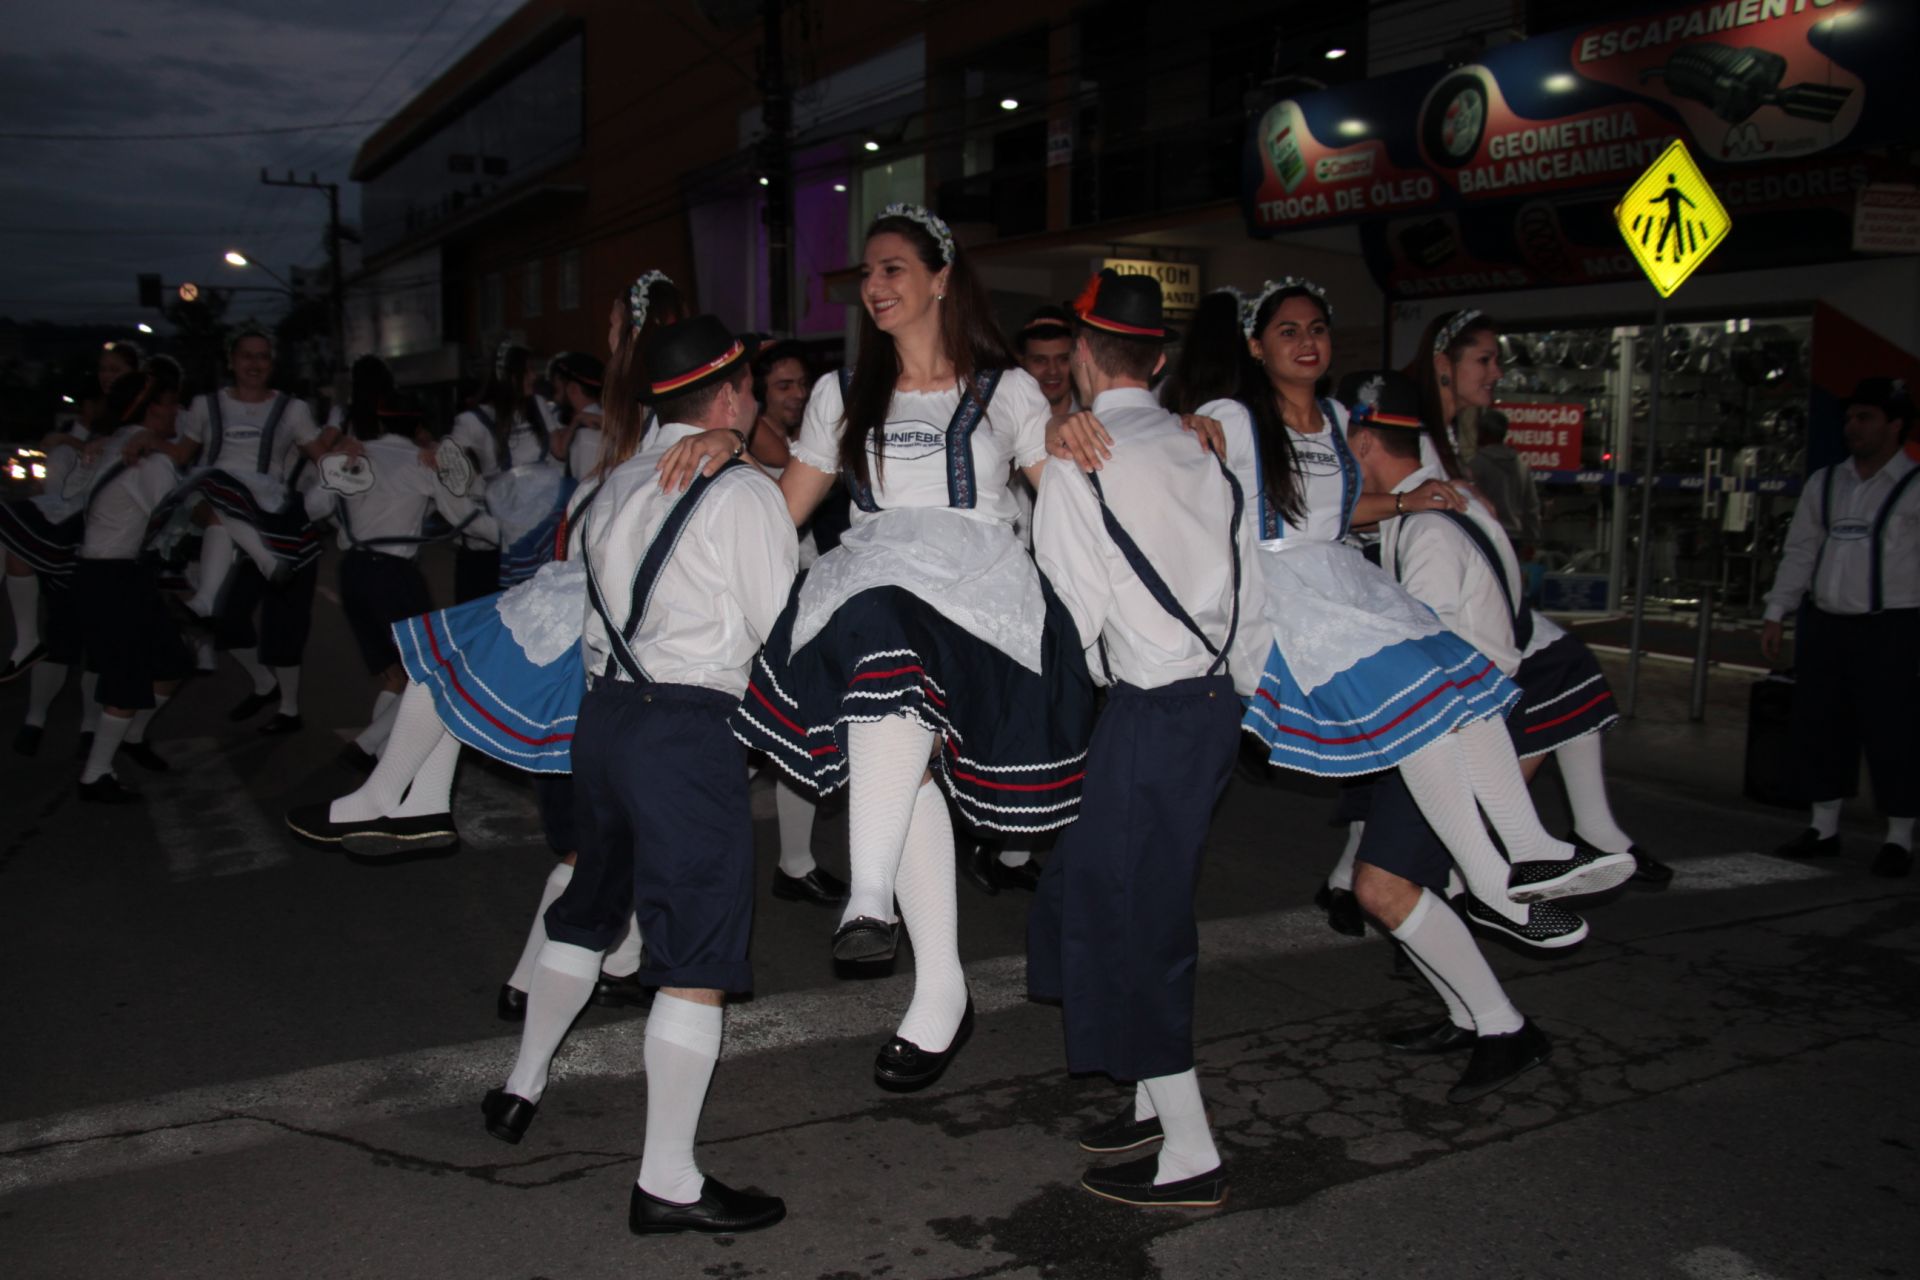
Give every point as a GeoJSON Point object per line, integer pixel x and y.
{"type": "Point", "coordinates": [1250, 307]}
{"type": "Point", "coordinates": [1453, 328]}
{"type": "Point", "coordinates": [637, 296]}
{"type": "Point", "coordinates": [942, 234]}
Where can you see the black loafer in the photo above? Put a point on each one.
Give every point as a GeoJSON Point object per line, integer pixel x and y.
{"type": "Point", "coordinates": [1499, 1060]}
{"type": "Point", "coordinates": [1892, 861]}
{"type": "Point", "coordinates": [143, 754]}
{"type": "Point", "coordinates": [622, 993]}
{"type": "Point", "coordinates": [1132, 1183]}
{"type": "Point", "coordinates": [1648, 871]}
{"type": "Point", "coordinates": [1810, 844]}
{"type": "Point", "coordinates": [507, 1114]}
{"type": "Point", "coordinates": [254, 703]}
{"type": "Point", "coordinates": [385, 839]}
{"type": "Point", "coordinates": [1122, 1133]}
{"type": "Point", "coordinates": [977, 868]}
{"type": "Point", "coordinates": [1025, 877]}
{"type": "Point", "coordinates": [13, 670]}
{"type": "Point", "coordinates": [864, 940]}
{"type": "Point", "coordinates": [511, 1004]}
{"type": "Point", "coordinates": [310, 824]}
{"type": "Point", "coordinates": [26, 742]}
{"type": "Point", "coordinates": [280, 723]}
{"type": "Point", "coordinates": [1343, 911]}
{"type": "Point", "coordinates": [903, 1066]}
{"type": "Point", "coordinates": [106, 789]}
{"type": "Point", "coordinates": [720, 1210]}
{"type": "Point", "coordinates": [818, 886]}
{"type": "Point", "coordinates": [357, 758]}
{"type": "Point", "coordinates": [1438, 1037]}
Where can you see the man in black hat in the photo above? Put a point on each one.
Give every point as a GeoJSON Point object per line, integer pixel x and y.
{"type": "Point", "coordinates": [1854, 548]}
{"type": "Point", "coordinates": [1153, 556]}
{"type": "Point", "coordinates": [577, 379]}
{"type": "Point", "coordinates": [682, 590]}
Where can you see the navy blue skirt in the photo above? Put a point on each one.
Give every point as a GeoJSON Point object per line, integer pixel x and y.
{"type": "Point", "coordinates": [286, 533]}
{"type": "Point", "coordinates": [47, 546]}
{"type": "Point", "coordinates": [1563, 695]}
{"type": "Point", "coordinates": [1012, 742]}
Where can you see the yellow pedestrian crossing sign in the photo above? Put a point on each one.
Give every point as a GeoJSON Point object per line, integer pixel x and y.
{"type": "Point", "coordinates": [1671, 219]}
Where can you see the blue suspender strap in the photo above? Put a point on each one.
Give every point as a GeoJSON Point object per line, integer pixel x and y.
{"type": "Point", "coordinates": [1519, 614]}
{"type": "Point", "coordinates": [1876, 600]}
{"type": "Point", "coordinates": [1349, 469]}
{"type": "Point", "coordinates": [1270, 526]}
{"type": "Point", "coordinates": [1156, 585]}
{"type": "Point", "coordinates": [647, 575]}
{"type": "Point", "coordinates": [216, 428]}
{"type": "Point", "coordinates": [974, 399]}
{"type": "Point", "coordinates": [274, 415]}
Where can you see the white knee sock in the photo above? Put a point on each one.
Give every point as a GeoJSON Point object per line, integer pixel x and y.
{"type": "Point", "coordinates": [683, 1043]}
{"type": "Point", "coordinates": [794, 812]}
{"type": "Point", "coordinates": [89, 701]}
{"type": "Point", "coordinates": [1494, 770]}
{"type": "Point", "coordinates": [417, 732]}
{"type": "Point", "coordinates": [1188, 1150]}
{"type": "Point", "coordinates": [623, 958]}
{"type": "Point", "coordinates": [1015, 855]}
{"type": "Point", "coordinates": [247, 539]}
{"type": "Point", "coordinates": [380, 726]}
{"type": "Point", "coordinates": [289, 678]}
{"type": "Point", "coordinates": [137, 727]}
{"type": "Point", "coordinates": [432, 789]}
{"type": "Point", "coordinates": [44, 683]}
{"type": "Point", "coordinates": [1583, 773]}
{"type": "Point", "coordinates": [1445, 951]}
{"type": "Point", "coordinates": [1437, 777]}
{"type": "Point", "coordinates": [249, 660]}
{"type": "Point", "coordinates": [1900, 832]}
{"type": "Point", "coordinates": [563, 978]}
{"type": "Point", "coordinates": [1826, 818]}
{"type": "Point", "coordinates": [1142, 1102]}
{"type": "Point", "coordinates": [929, 905]}
{"type": "Point", "coordinates": [23, 597]}
{"type": "Point", "coordinates": [216, 562]}
{"type": "Point", "coordinates": [107, 737]}
{"type": "Point", "coordinates": [1341, 877]}
{"type": "Point", "coordinates": [886, 760]}
{"type": "Point", "coordinates": [557, 881]}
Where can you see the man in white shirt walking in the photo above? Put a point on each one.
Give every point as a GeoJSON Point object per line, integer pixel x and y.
{"type": "Point", "coordinates": [1854, 547]}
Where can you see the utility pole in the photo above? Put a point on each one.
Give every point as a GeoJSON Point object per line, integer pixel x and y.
{"type": "Point", "coordinates": [336, 301]}
{"type": "Point", "coordinates": [776, 168]}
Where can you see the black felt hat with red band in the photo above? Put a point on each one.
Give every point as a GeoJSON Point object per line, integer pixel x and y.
{"type": "Point", "coordinates": [1382, 398]}
{"type": "Point", "coordinates": [693, 354]}
{"type": "Point", "coordinates": [1124, 306]}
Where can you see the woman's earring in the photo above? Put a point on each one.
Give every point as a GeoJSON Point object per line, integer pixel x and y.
{"type": "Point", "coordinates": [939, 297]}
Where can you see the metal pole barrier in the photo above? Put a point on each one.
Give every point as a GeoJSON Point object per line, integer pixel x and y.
{"type": "Point", "coordinates": [1702, 644]}
{"type": "Point", "coordinates": [1656, 359]}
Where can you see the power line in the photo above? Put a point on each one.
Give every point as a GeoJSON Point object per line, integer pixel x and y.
{"type": "Point", "coordinates": [206, 136]}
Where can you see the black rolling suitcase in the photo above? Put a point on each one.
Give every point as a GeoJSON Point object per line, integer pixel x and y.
{"type": "Point", "coordinates": [1770, 777]}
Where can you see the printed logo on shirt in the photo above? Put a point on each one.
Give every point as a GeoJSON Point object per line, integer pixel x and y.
{"type": "Point", "coordinates": [1315, 459]}
{"type": "Point", "coordinates": [1850, 530]}
{"type": "Point", "coordinates": [344, 475]}
{"type": "Point", "coordinates": [910, 438]}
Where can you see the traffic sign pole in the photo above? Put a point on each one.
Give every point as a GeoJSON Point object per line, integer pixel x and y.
{"type": "Point", "coordinates": [1656, 359]}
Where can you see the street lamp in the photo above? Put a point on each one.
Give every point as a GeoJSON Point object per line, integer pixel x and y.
{"type": "Point", "coordinates": [235, 258]}
{"type": "Point", "coordinates": [144, 327]}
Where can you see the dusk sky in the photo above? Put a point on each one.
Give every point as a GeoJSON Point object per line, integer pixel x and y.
{"type": "Point", "coordinates": [83, 216]}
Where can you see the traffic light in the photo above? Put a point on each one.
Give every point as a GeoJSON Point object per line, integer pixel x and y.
{"type": "Point", "coordinates": [149, 289]}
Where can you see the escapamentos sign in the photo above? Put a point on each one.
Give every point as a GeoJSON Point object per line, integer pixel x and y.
{"type": "Point", "coordinates": [1546, 436]}
{"type": "Point", "coordinates": [1741, 81]}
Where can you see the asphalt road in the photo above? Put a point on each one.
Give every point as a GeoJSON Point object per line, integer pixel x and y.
{"type": "Point", "coordinates": [229, 1055]}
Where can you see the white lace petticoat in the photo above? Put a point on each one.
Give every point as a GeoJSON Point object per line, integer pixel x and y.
{"type": "Point", "coordinates": [1328, 607]}
{"type": "Point", "coordinates": [546, 613]}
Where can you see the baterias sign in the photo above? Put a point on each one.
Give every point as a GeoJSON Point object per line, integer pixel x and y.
{"type": "Point", "coordinates": [1743, 81]}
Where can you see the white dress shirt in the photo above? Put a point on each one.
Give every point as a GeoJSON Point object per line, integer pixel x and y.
{"type": "Point", "coordinates": [1172, 499]}
{"type": "Point", "coordinates": [721, 589]}
{"type": "Point", "coordinates": [123, 499]}
{"type": "Point", "coordinates": [404, 489]}
{"type": "Point", "coordinates": [476, 437]}
{"type": "Point", "coordinates": [1844, 549]}
{"type": "Point", "coordinates": [1440, 566]}
{"type": "Point", "coordinates": [241, 424]}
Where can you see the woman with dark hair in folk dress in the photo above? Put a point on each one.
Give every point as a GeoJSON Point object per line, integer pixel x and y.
{"type": "Point", "coordinates": [510, 439]}
{"type": "Point", "coordinates": [926, 645]}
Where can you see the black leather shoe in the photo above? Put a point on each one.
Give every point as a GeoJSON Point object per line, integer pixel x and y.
{"type": "Point", "coordinates": [1343, 911]}
{"type": "Point", "coordinates": [280, 723]}
{"type": "Point", "coordinates": [27, 741]}
{"type": "Point", "coordinates": [311, 825]}
{"type": "Point", "coordinates": [1810, 844]}
{"type": "Point", "coordinates": [1893, 862]}
{"type": "Point", "coordinates": [1132, 1183]}
{"type": "Point", "coordinates": [720, 1210]}
{"type": "Point", "coordinates": [357, 758]}
{"type": "Point", "coordinates": [1438, 1037]}
{"type": "Point", "coordinates": [903, 1066]}
{"type": "Point", "coordinates": [622, 993]}
{"type": "Point", "coordinates": [511, 1004]}
{"type": "Point", "coordinates": [388, 839]}
{"type": "Point", "coordinates": [507, 1114]}
{"type": "Point", "coordinates": [1122, 1133]}
{"type": "Point", "coordinates": [864, 940]}
{"type": "Point", "coordinates": [254, 703]}
{"type": "Point", "coordinates": [1025, 877]}
{"type": "Point", "coordinates": [14, 670]}
{"type": "Point", "coordinates": [978, 866]}
{"type": "Point", "coordinates": [143, 754]}
{"type": "Point", "coordinates": [106, 789]}
{"type": "Point", "coordinates": [1498, 1060]}
{"type": "Point", "coordinates": [83, 748]}
{"type": "Point", "coordinates": [1648, 871]}
{"type": "Point", "coordinates": [819, 886]}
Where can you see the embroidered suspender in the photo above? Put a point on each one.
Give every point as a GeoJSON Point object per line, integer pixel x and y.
{"type": "Point", "coordinates": [1519, 614]}
{"type": "Point", "coordinates": [1156, 585]}
{"type": "Point", "coordinates": [647, 576]}
{"type": "Point", "coordinates": [1349, 469]}
{"type": "Point", "coordinates": [217, 430]}
{"type": "Point", "coordinates": [962, 491]}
